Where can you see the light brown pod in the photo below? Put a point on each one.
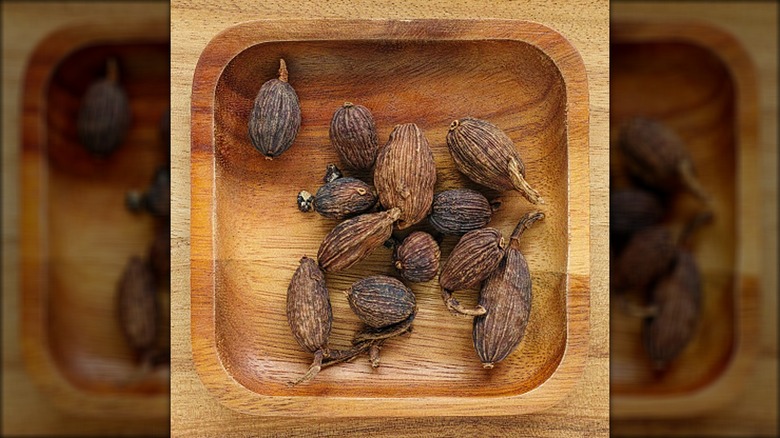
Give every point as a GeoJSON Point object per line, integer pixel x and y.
{"type": "Point", "coordinates": [506, 295]}
{"type": "Point", "coordinates": [485, 154]}
{"type": "Point", "coordinates": [354, 239]}
{"type": "Point", "coordinates": [343, 198]}
{"type": "Point", "coordinates": [353, 134]}
{"type": "Point", "coordinates": [417, 257]}
{"type": "Point", "coordinates": [656, 155]}
{"type": "Point", "coordinates": [138, 306]}
{"type": "Point", "coordinates": [104, 115]}
{"type": "Point", "coordinates": [276, 116]}
{"type": "Point", "coordinates": [475, 256]}
{"type": "Point", "coordinates": [458, 211]}
{"type": "Point", "coordinates": [677, 298]}
{"type": "Point", "coordinates": [380, 301]}
{"type": "Point", "coordinates": [405, 174]}
{"type": "Point", "coordinates": [309, 313]}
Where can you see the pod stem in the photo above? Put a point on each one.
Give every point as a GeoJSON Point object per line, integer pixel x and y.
{"type": "Point", "coordinates": [391, 331]}
{"type": "Point", "coordinates": [314, 368]}
{"type": "Point", "coordinates": [454, 306]}
{"type": "Point", "coordinates": [521, 185]}
{"type": "Point", "coordinates": [524, 224]}
{"type": "Point", "coordinates": [689, 180]}
{"type": "Point", "coordinates": [112, 70]}
{"type": "Point", "coordinates": [283, 75]}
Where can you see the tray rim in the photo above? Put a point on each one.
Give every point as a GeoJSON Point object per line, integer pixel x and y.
{"type": "Point", "coordinates": [211, 63]}
{"type": "Point", "coordinates": [741, 68]}
{"type": "Point", "coordinates": [37, 356]}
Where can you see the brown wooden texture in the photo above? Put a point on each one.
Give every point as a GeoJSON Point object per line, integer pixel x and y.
{"type": "Point", "coordinates": [77, 234]}
{"type": "Point", "coordinates": [699, 82]}
{"type": "Point", "coordinates": [247, 235]}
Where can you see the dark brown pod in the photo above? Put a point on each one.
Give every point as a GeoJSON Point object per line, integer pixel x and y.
{"type": "Point", "coordinates": [506, 295]}
{"type": "Point", "coordinates": [276, 116]}
{"type": "Point", "coordinates": [656, 156]}
{"type": "Point", "coordinates": [458, 211]}
{"type": "Point", "coordinates": [160, 252]}
{"type": "Point", "coordinates": [354, 239]}
{"type": "Point", "coordinates": [343, 198]}
{"type": "Point", "coordinates": [646, 257]}
{"type": "Point", "coordinates": [405, 174]}
{"type": "Point", "coordinates": [485, 154]}
{"type": "Point", "coordinates": [677, 298]}
{"type": "Point", "coordinates": [417, 257]}
{"type": "Point", "coordinates": [353, 134]}
{"type": "Point", "coordinates": [138, 306]}
{"type": "Point", "coordinates": [104, 115]}
{"type": "Point", "coordinates": [475, 256]}
{"type": "Point", "coordinates": [631, 210]}
{"type": "Point", "coordinates": [380, 301]}
{"type": "Point", "coordinates": [309, 312]}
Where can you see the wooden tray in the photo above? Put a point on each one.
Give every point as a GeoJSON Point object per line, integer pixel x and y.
{"type": "Point", "coordinates": [700, 82]}
{"type": "Point", "coordinates": [77, 235]}
{"type": "Point", "coordinates": [247, 235]}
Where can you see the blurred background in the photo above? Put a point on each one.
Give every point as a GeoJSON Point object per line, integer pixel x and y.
{"type": "Point", "coordinates": [86, 222]}
{"type": "Point", "coordinates": [693, 219]}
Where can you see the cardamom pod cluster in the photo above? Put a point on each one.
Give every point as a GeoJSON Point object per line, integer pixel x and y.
{"type": "Point", "coordinates": [276, 116]}
{"type": "Point", "coordinates": [405, 174]}
{"type": "Point", "coordinates": [354, 239]}
{"type": "Point", "coordinates": [506, 297]}
{"type": "Point", "coordinates": [458, 211]}
{"type": "Point", "coordinates": [417, 257]}
{"type": "Point", "coordinates": [485, 154]}
{"type": "Point", "coordinates": [104, 115]}
{"type": "Point", "coordinates": [353, 134]}
{"type": "Point", "coordinates": [343, 198]}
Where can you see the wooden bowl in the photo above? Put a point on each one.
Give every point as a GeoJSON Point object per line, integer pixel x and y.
{"type": "Point", "coordinates": [247, 236]}
{"type": "Point", "coordinates": [698, 81]}
{"type": "Point", "coordinates": [77, 234]}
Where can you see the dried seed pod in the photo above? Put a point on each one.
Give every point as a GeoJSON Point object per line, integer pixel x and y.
{"type": "Point", "coordinates": [138, 306]}
{"type": "Point", "coordinates": [276, 116]}
{"type": "Point", "coordinates": [305, 201]}
{"type": "Point", "coordinates": [353, 134]}
{"type": "Point", "coordinates": [475, 256]}
{"type": "Point", "coordinates": [332, 173]}
{"type": "Point", "coordinates": [104, 115]}
{"type": "Point", "coordinates": [309, 313]}
{"type": "Point", "coordinates": [156, 200]}
{"type": "Point", "coordinates": [677, 297]}
{"type": "Point", "coordinates": [343, 198]}
{"type": "Point", "coordinates": [380, 301]}
{"type": "Point", "coordinates": [631, 210]}
{"type": "Point", "coordinates": [405, 174]}
{"type": "Point", "coordinates": [506, 294]}
{"type": "Point", "coordinates": [485, 154]}
{"type": "Point", "coordinates": [417, 257]}
{"type": "Point", "coordinates": [458, 211]}
{"type": "Point", "coordinates": [656, 156]}
{"type": "Point", "coordinates": [646, 257]}
{"type": "Point", "coordinates": [354, 239]}
{"type": "Point", "coordinates": [160, 252]}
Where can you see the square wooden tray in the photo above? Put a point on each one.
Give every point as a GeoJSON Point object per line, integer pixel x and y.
{"type": "Point", "coordinates": [247, 234]}
{"type": "Point", "coordinates": [699, 81]}
{"type": "Point", "coordinates": [76, 234]}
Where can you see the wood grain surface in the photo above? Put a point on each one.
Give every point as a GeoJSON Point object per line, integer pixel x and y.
{"type": "Point", "coordinates": [247, 234]}
{"type": "Point", "coordinates": [27, 408]}
{"type": "Point", "coordinates": [730, 387]}
{"type": "Point", "coordinates": [582, 413]}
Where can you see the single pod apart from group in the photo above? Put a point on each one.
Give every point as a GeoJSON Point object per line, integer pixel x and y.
{"type": "Point", "coordinates": [104, 115]}
{"type": "Point", "coordinates": [485, 154]}
{"type": "Point", "coordinates": [353, 134]}
{"type": "Point", "coordinates": [405, 174]}
{"type": "Point", "coordinates": [276, 116]}
{"type": "Point", "coordinates": [506, 295]}
{"type": "Point", "coordinates": [354, 239]}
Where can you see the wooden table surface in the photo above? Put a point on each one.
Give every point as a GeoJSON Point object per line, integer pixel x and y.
{"type": "Point", "coordinates": [194, 412]}
{"type": "Point", "coordinates": [26, 410]}
{"type": "Point", "coordinates": [754, 411]}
